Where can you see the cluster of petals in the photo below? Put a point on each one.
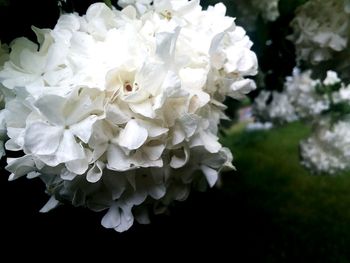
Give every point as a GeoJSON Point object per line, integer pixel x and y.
{"type": "Point", "coordinates": [300, 98]}
{"type": "Point", "coordinates": [327, 150]}
{"type": "Point", "coordinates": [320, 29]}
{"type": "Point", "coordinates": [119, 110]}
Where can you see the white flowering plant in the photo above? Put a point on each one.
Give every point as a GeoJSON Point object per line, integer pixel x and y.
{"type": "Point", "coordinates": [325, 105]}
{"type": "Point", "coordinates": [118, 110]}
{"type": "Point", "coordinates": [304, 74]}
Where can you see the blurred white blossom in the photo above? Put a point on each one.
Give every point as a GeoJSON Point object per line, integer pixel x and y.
{"type": "Point", "coordinates": [328, 149]}
{"type": "Point", "coordinates": [267, 8]}
{"type": "Point", "coordinates": [326, 104]}
{"type": "Point", "coordinates": [321, 28]}
{"type": "Point", "coordinates": [119, 110]}
{"type": "Point", "coordinates": [301, 97]}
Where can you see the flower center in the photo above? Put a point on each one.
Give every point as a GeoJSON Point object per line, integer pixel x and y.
{"type": "Point", "coordinates": [167, 14]}
{"type": "Point", "coordinates": [128, 86]}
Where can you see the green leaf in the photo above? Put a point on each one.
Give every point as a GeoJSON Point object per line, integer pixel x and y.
{"type": "Point", "coordinates": [108, 3]}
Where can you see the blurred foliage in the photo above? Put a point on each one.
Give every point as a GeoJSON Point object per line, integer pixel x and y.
{"type": "Point", "coordinates": [4, 3]}
{"type": "Point", "coordinates": [305, 218]}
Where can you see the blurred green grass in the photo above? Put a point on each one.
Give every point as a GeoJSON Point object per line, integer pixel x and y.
{"type": "Point", "coordinates": [311, 213]}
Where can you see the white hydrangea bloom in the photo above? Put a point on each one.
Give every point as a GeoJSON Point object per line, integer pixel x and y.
{"type": "Point", "coordinates": [274, 106]}
{"type": "Point", "coordinates": [320, 29]}
{"type": "Point", "coordinates": [268, 8]}
{"type": "Point", "coordinates": [301, 91]}
{"type": "Point", "coordinates": [300, 98]}
{"type": "Point", "coordinates": [328, 149]}
{"type": "Point", "coordinates": [119, 110]}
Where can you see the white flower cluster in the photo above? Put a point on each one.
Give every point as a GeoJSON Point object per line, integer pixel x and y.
{"type": "Point", "coordinates": [328, 149]}
{"type": "Point", "coordinates": [274, 106]}
{"type": "Point", "coordinates": [321, 28]}
{"type": "Point", "coordinates": [119, 110]}
{"type": "Point", "coordinates": [267, 8]}
{"type": "Point", "coordinates": [300, 98]}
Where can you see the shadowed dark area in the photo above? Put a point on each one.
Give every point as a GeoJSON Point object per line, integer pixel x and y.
{"type": "Point", "coordinates": [271, 210]}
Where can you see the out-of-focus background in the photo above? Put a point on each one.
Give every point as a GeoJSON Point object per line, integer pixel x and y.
{"type": "Point", "coordinates": [271, 209]}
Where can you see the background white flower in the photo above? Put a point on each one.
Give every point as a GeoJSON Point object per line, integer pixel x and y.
{"type": "Point", "coordinates": [302, 98]}
{"type": "Point", "coordinates": [327, 150]}
{"type": "Point", "coordinates": [320, 29]}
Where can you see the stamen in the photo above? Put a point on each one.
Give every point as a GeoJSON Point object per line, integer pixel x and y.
{"type": "Point", "coordinates": [128, 87]}
{"type": "Point", "coordinates": [167, 14]}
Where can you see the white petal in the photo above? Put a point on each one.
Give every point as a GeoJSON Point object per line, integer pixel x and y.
{"type": "Point", "coordinates": [193, 78]}
{"type": "Point", "coordinates": [69, 149]}
{"type": "Point", "coordinates": [67, 175]}
{"type": "Point", "coordinates": [157, 191]}
{"type": "Point", "coordinates": [117, 159]}
{"type": "Point", "coordinates": [83, 129]}
{"type": "Point", "coordinates": [112, 218]}
{"type": "Point", "coordinates": [52, 107]}
{"type": "Point", "coordinates": [152, 128]}
{"type": "Point", "coordinates": [42, 139]}
{"type": "Point", "coordinates": [210, 142]}
{"type": "Point", "coordinates": [51, 204]}
{"type": "Point", "coordinates": [153, 151]}
{"type": "Point", "coordinates": [166, 44]}
{"type": "Point", "coordinates": [126, 218]}
{"type": "Point", "coordinates": [116, 115]}
{"type": "Point", "coordinates": [32, 175]}
{"type": "Point", "coordinates": [101, 134]}
{"type": "Point", "coordinates": [79, 166]}
{"type": "Point", "coordinates": [178, 135]}
{"type": "Point", "coordinates": [151, 77]}
{"type": "Point", "coordinates": [98, 151]}
{"type": "Point", "coordinates": [20, 166]}
{"type": "Point", "coordinates": [241, 60]}
{"type": "Point", "coordinates": [133, 136]}
{"type": "Point", "coordinates": [119, 217]}
{"type": "Point", "coordinates": [138, 197]}
{"type": "Point", "coordinates": [144, 108]}
{"type": "Point", "coordinates": [16, 113]}
{"type": "Point", "coordinates": [243, 86]}
{"type": "Point", "coordinates": [137, 96]}
{"type": "Point", "coordinates": [210, 174]}
{"type": "Point", "coordinates": [189, 123]}
{"type": "Point", "coordinates": [198, 100]}
{"type": "Point", "coordinates": [180, 158]}
{"type": "Point", "coordinates": [87, 102]}
{"type": "Point", "coordinates": [95, 173]}
{"type": "Point", "coordinates": [16, 141]}
{"type": "Point", "coordinates": [171, 88]}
